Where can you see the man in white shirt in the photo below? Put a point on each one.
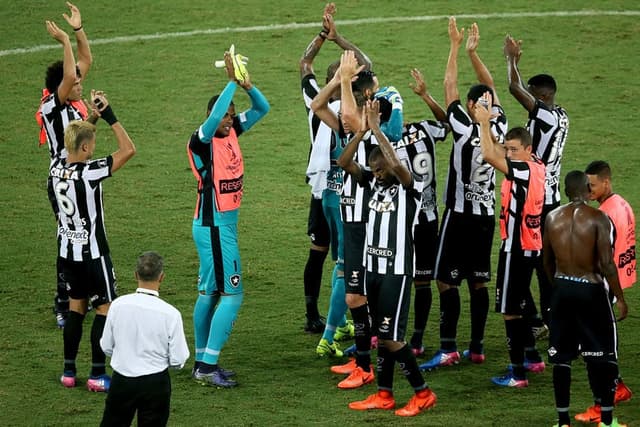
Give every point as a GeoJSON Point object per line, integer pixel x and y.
{"type": "Point", "coordinates": [144, 337]}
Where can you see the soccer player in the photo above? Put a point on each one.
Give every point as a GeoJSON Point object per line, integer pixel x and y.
{"type": "Point", "coordinates": [76, 186]}
{"type": "Point", "coordinates": [624, 255]}
{"type": "Point", "coordinates": [356, 86]}
{"type": "Point", "coordinates": [62, 103]}
{"type": "Point", "coordinates": [336, 318]}
{"type": "Point", "coordinates": [522, 195]}
{"type": "Point", "coordinates": [322, 137]}
{"type": "Point", "coordinates": [389, 264]}
{"type": "Point", "coordinates": [466, 231]}
{"type": "Point", "coordinates": [417, 150]}
{"type": "Point", "coordinates": [144, 337]}
{"type": "Point", "coordinates": [217, 164]}
{"type": "Point", "coordinates": [337, 215]}
{"type": "Point", "coordinates": [577, 259]}
{"type": "Point", "coordinates": [549, 126]}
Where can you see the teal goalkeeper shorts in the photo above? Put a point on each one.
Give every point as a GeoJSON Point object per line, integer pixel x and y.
{"type": "Point", "coordinates": [219, 255]}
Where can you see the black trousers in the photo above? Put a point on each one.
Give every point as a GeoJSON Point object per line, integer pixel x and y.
{"type": "Point", "coordinates": [150, 395]}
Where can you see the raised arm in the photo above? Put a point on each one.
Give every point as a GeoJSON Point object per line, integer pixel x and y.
{"type": "Point", "coordinates": [84, 51]}
{"type": "Point", "coordinates": [320, 104]}
{"type": "Point", "coordinates": [346, 162]}
{"type": "Point", "coordinates": [306, 62]}
{"type": "Point", "coordinates": [349, 68]}
{"type": "Point", "coordinates": [126, 150]}
{"type": "Point", "coordinates": [482, 72]}
{"type": "Point", "coordinates": [420, 89]}
{"type": "Point", "coordinates": [512, 51]}
{"type": "Point", "coordinates": [400, 171]}
{"type": "Point", "coordinates": [607, 266]}
{"type": "Point", "coordinates": [451, 93]}
{"type": "Point", "coordinates": [69, 63]}
{"type": "Point", "coordinates": [259, 108]}
{"type": "Point", "coordinates": [492, 152]}
{"type": "Point", "coordinates": [259, 104]}
{"type": "Point", "coordinates": [343, 43]}
{"type": "Point", "coordinates": [221, 106]}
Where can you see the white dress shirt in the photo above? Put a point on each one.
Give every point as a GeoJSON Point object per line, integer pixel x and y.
{"type": "Point", "coordinates": [144, 335]}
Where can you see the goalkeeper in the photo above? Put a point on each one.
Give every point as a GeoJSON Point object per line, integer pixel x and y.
{"type": "Point", "coordinates": [217, 163]}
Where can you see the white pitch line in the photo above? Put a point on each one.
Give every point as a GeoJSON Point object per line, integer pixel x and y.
{"type": "Point", "coordinates": [294, 26]}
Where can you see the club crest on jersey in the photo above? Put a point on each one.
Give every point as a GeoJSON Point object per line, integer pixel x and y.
{"type": "Point", "coordinates": [354, 278]}
{"type": "Point", "coordinates": [385, 324]}
{"type": "Point", "coordinates": [234, 280]}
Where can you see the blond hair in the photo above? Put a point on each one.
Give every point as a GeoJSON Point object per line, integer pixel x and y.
{"type": "Point", "coordinates": [77, 133]}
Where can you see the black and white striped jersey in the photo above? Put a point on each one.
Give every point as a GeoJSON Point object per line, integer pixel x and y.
{"type": "Point", "coordinates": [549, 128]}
{"type": "Point", "coordinates": [355, 197]}
{"type": "Point", "coordinates": [318, 130]}
{"type": "Point", "coordinates": [471, 181]}
{"type": "Point", "coordinates": [416, 150]}
{"type": "Point", "coordinates": [56, 117]}
{"type": "Point", "coordinates": [77, 189]}
{"type": "Point", "coordinates": [393, 212]}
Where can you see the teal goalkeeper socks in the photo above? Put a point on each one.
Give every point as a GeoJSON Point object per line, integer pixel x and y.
{"type": "Point", "coordinates": [337, 306]}
{"type": "Point", "coordinates": [221, 325]}
{"type": "Point", "coordinates": [202, 314]}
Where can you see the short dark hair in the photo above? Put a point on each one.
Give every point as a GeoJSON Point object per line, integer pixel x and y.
{"type": "Point", "coordinates": [521, 134]}
{"type": "Point", "coordinates": [599, 168]}
{"type": "Point", "coordinates": [543, 81]}
{"type": "Point", "coordinates": [363, 82]}
{"type": "Point", "coordinates": [212, 102]}
{"type": "Point", "coordinates": [331, 70]}
{"type": "Point", "coordinates": [375, 153]}
{"type": "Point", "coordinates": [150, 266]}
{"type": "Point", "coordinates": [576, 184]}
{"type": "Point", "coordinates": [477, 91]}
{"type": "Point", "coordinates": [55, 74]}
{"type": "Point", "coordinates": [53, 78]}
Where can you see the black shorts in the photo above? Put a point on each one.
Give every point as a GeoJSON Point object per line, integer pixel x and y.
{"type": "Point", "coordinates": [425, 242]}
{"type": "Point", "coordinates": [317, 226]}
{"type": "Point", "coordinates": [389, 298]}
{"type": "Point", "coordinates": [464, 250]}
{"type": "Point", "coordinates": [93, 280]}
{"type": "Point", "coordinates": [513, 283]}
{"type": "Point", "coordinates": [354, 241]}
{"type": "Point", "coordinates": [582, 322]}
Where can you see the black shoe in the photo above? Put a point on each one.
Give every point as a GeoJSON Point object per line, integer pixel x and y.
{"type": "Point", "coordinates": [314, 326]}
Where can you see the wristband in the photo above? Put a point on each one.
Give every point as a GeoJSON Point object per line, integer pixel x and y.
{"type": "Point", "coordinates": [108, 116]}
{"type": "Point", "coordinates": [78, 29]}
{"type": "Point", "coordinates": [322, 35]}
